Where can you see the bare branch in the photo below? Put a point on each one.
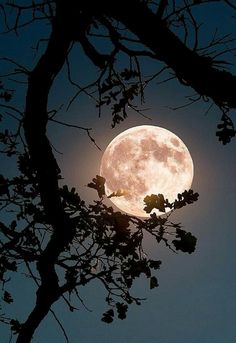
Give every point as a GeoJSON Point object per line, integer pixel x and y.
{"type": "Point", "coordinates": [77, 127]}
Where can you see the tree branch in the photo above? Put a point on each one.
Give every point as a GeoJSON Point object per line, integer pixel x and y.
{"type": "Point", "coordinates": [196, 71]}
{"type": "Point", "coordinates": [35, 120]}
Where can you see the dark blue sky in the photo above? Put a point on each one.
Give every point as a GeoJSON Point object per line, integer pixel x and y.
{"type": "Point", "coordinates": [196, 299]}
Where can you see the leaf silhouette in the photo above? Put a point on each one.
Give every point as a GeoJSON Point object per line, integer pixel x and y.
{"type": "Point", "coordinates": [154, 201]}
{"type": "Point", "coordinates": [154, 264]}
{"type": "Point", "coordinates": [7, 297]}
{"type": "Point", "coordinates": [98, 184]}
{"type": "Point", "coordinates": [3, 186]}
{"type": "Point", "coordinates": [121, 310]}
{"type": "Point", "coordinates": [108, 316]}
{"type": "Point", "coordinates": [153, 282]}
{"type": "Point", "coordinates": [187, 197]}
{"type": "Point", "coordinates": [15, 326]}
{"type": "Point", "coordinates": [186, 242]}
{"type": "Point", "coordinates": [226, 129]}
{"type": "Point", "coordinates": [118, 193]}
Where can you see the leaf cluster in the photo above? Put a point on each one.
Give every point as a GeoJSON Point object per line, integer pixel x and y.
{"type": "Point", "coordinates": [226, 130]}
{"type": "Point", "coordinates": [160, 203]}
{"type": "Point", "coordinates": [5, 94]}
{"type": "Point", "coordinates": [107, 245]}
{"type": "Point", "coordinates": [118, 90]}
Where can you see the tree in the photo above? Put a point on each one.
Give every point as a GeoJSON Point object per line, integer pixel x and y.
{"type": "Point", "coordinates": [49, 226]}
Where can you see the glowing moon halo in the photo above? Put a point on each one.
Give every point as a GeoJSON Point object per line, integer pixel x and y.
{"type": "Point", "coordinates": [145, 160]}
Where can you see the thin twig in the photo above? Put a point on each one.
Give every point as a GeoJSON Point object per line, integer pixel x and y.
{"type": "Point", "coordinates": [77, 127]}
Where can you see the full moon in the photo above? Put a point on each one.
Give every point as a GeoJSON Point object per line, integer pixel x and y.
{"type": "Point", "coordinates": [145, 160]}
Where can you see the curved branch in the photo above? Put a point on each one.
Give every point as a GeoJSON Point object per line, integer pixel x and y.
{"type": "Point", "coordinates": [196, 71]}
{"type": "Point", "coordinates": [35, 120]}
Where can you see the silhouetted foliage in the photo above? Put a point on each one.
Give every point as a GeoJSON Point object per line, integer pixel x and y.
{"type": "Point", "coordinates": [106, 245]}
{"type": "Point", "coordinates": [226, 129]}
{"type": "Point", "coordinates": [47, 232]}
{"type": "Point", "coordinates": [98, 184]}
{"type": "Point", "coordinates": [186, 241]}
{"type": "Point", "coordinates": [160, 203]}
{"type": "Point", "coordinates": [5, 94]}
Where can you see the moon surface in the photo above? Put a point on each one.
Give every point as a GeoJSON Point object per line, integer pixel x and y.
{"type": "Point", "coordinates": [145, 160]}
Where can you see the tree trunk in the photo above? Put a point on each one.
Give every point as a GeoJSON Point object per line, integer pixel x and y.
{"type": "Point", "coordinates": [35, 121]}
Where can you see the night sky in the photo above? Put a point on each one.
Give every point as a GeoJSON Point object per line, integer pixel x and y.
{"type": "Point", "coordinates": [196, 298]}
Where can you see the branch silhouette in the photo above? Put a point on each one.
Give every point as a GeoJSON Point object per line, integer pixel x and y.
{"type": "Point", "coordinates": [51, 226]}
{"type": "Point", "coordinates": [35, 121]}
